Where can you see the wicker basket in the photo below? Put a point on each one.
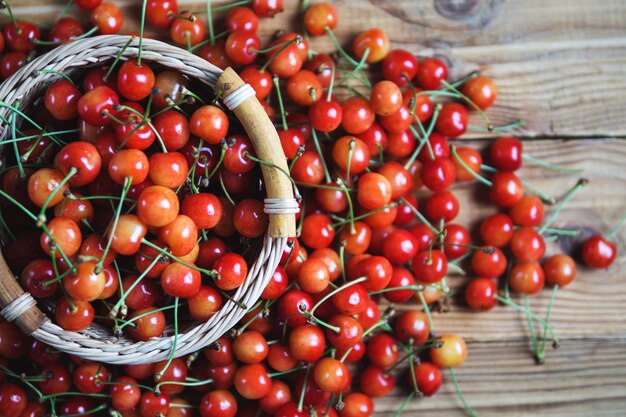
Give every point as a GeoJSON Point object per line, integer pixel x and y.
{"type": "Point", "coordinates": [96, 342]}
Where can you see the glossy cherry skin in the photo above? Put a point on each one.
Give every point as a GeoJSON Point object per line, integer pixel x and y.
{"type": "Point", "coordinates": [325, 116]}
{"type": "Point", "coordinates": [412, 325]}
{"type": "Point", "coordinates": [151, 405]}
{"type": "Point", "coordinates": [480, 294]}
{"type": "Point", "coordinates": [318, 17]}
{"type": "Point", "coordinates": [497, 230]}
{"type": "Point", "coordinates": [598, 252]}
{"type": "Point", "coordinates": [506, 190]}
{"type": "Point", "coordinates": [187, 27]}
{"type": "Point", "coordinates": [386, 98]}
{"type": "Point", "coordinates": [83, 157]}
{"type": "Point", "coordinates": [438, 174]}
{"type": "Point", "coordinates": [252, 381]}
{"type": "Point", "coordinates": [442, 205]}
{"type": "Point", "coordinates": [376, 40]}
{"type": "Point", "coordinates": [94, 105]}
{"type": "Point", "coordinates": [44, 184]}
{"type": "Point", "coordinates": [430, 266]}
{"type": "Point", "coordinates": [471, 158]}
{"type": "Point", "coordinates": [307, 343]}
{"type": "Point", "coordinates": [481, 90]}
{"type": "Point", "coordinates": [232, 270]}
{"type": "Point", "coordinates": [350, 331]}
{"type": "Point", "coordinates": [352, 300]}
{"type": "Point", "coordinates": [528, 211]}
{"type": "Point", "coordinates": [205, 209]}
{"type": "Point", "coordinates": [108, 18]}
{"type": "Point", "coordinates": [357, 404]}
{"type": "Point", "coordinates": [559, 269]}
{"type": "Point", "coordinates": [400, 66]}
{"type": "Point", "coordinates": [135, 82]}
{"type": "Point", "coordinates": [490, 265]}
{"type": "Point", "coordinates": [13, 400]}
{"type": "Point", "coordinates": [125, 393]}
{"type": "Point", "coordinates": [160, 13]}
{"type": "Point", "coordinates": [375, 382]}
{"type": "Point", "coordinates": [218, 403]}
{"type": "Point", "coordinates": [400, 247]}
{"type": "Point", "coordinates": [209, 123]}
{"type": "Point", "coordinates": [431, 72]}
{"type": "Point", "coordinates": [178, 280]}
{"type": "Point", "coordinates": [241, 47]}
{"type": "Point", "coordinates": [452, 120]}
{"type": "Point", "coordinates": [506, 153]}
{"type": "Point", "coordinates": [526, 278]}
{"type": "Point", "coordinates": [428, 378]}
{"type": "Point", "coordinates": [527, 245]}
{"type": "Point", "coordinates": [452, 352]}
{"type": "Point", "coordinates": [61, 100]}
{"type": "Point", "coordinates": [20, 36]}
{"type": "Point", "coordinates": [73, 320]}
{"type": "Point", "coordinates": [358, 115]}
{"type": "Point", "coordinates": [373, 191]}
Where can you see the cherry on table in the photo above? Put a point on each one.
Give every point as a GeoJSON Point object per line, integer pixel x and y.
{"type": "Point", "coordinates": [526, 277]}
{"type": "Point", "coordinates": [480, 294]}
{"type": "Point", "coordinates": [431, 72]}
{"type": "Point", "coordinates": [453, 120]}
{"type": "Point", "coordinates": [481, 90]}
{"type": "Point", "coordinates": [559, 269]}
{"type": "Point", "coordinates": [598, 252]}
{"type": "Point", "coordinates": [400, 66]}
{"type": "Point", "coordinates": [428, 378]}
{"type": "Point", "coordinates": [489, 262]}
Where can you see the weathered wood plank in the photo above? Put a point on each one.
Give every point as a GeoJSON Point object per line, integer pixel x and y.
{"type": "Point", "coordinates": [581, 379]}
{"type": "Point", "coordinates": [560, 65]}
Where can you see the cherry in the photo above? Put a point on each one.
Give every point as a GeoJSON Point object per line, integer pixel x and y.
{"type": "Point", "coordinates": [317, 231]}
{"type": "Point", "coordinates": [489, 262]}
{"type": "Point", "coordinates": [400, 66]}
{"type": "Point", "coordinates": [216, 54]}
{"type": "Point", "coordinates": [126, 239]}
{"type": "Point", "coordinates": [351, 300]}
{"type": "Point", "coordinates": [242, 18]}
{"type": "Point", "coordinates": [209, 123]}
{"type": "Point", "coordinates": [186, 29]}
{"type": "Point", "coordinates": [442, 205]}
{"type": "Point", "coordinates": [497, 230]}
{"type": "Point", "coordinates": [313, 276]}
{"type": "Point", "coordinates": [481, 90]}
{"type": "Point", "coordinates": [506, 190]}
{"type": "Point", "coordinates": [205, 303]}
{"type": "Point", "coordinates": [480, 294]}
{"type": "Point", "coordinates": [252, 381]}
{"type": "Point", "coordinates": [331, 198]}
{"type": "Point", "coordinates": [172, 372]}
{"type": "Point", "coordinates": [10, 62]}
{"type": "Point", "coordinates": [386, 98]}
{"type": "Point", "coordinates": [423, 234]}
{"type": "Point", "coordinates": [178, 280]}
{"type": "Point", "coordinates": [374, 191]}
{"type": "Point", "coordinates": [161, 13]}
{"type": "Point", "coordinates": [471, 158]}
{"type": "Point", "coordinates": [45, 185]}
{"type": "Point", "coordinates": [400, 247]}
{"type": "Point", "coordinates": [279, 395]}
{"type": "Point", "coordinates": [438, 174]}
{"type": "Point", "coordinates": [357, 404]}
{"type": "Point", "coordinates": [412, 325]}
{"type": "Point", "coordinates": [235, 159]}
{"type": "Point", "coordinates": [232, 270]}
{"type": "Point", "coordinates": [95, 105]}
{"type": "Point", "coordinates": [350, 331]}
{"type": "Point", "coordinates": [331, 375]}
{"type": "Point", "coordinates": [168, 169]}
{"type": "Point", "coordinates": [528, 211]}
{"type": "Point", "coordinates": [431, 72]}
{"type": "Point", "coordinates": [73, 319]}
{"type": "Point", "coordinates": [218, 403]}
{"type": "Point", "coordinates": [89, 378]}
{"type": "Point", "coordinates": [452, 120]}
{"type": "Point", "coordinates": [428, 378]}
{"type": "Point", "coordinates": [430, 266]}
{"type": "Point", "coordinates": [86, 284]}
{"type": "Point", "coordinates": [241, 47]}
{"type": "Point", "coordinates": [13, 399]}
{"type": "Point", "coordinates": [397, 122]}
{"type": "Point", "coordinates": [33, 409]}
{"type": "Point", "coordinates": [260, 80]}
{"type": "Point", "coordinates": [65, 29]}
{"type": "Point", "coordinates": [559, 269]}
{"type": "Point", "coordinates": [383, 350]}
{"type": "Point", "coordinates": [405, 215]}
{"type": "Point", "coordinates": [125, 394]}
{"type": "Point", "coordinates": [322, 65]}
{"type": "Point", "coordinates": [149, 323]}
{"type": "Point", "coordinates": [307, 343]}
{"type": "Point", "coordinates": [526, 278]}
{"type": "Point", "coordinates": [506, 153]}
{"type": "Point", "coordinates": [456, 241]}
{"type": "Point", "coordinates": [151, 405]}
{"type": "Point", "coordinates": [108, 18]}
{"type": "Point", "coordinates": [438, 144]}
{"type": "Point", "coordinates": [12, 341]}
{"type": "Point", "coordinates": [21, 36]}
{"type": "Point", "coordinates": [452, 353]}
{"type": "Point", "coordinates": [304, 88]}
{"type": "Point", "coordinates": [143, 295]}
{"type": "Point", "coordinates": [320, 16]}
{"type": "Point", "coordinates": [250, 347]}
{"type": "Point", "coordinates": [325, 115]}
{"type": "Point", "coordinates": [157, 206]}
{"type": "Point", "coordinates": [61, 100]}
{"type": "Point", "coordinates": [358, 115]}
{"type": "Point", "coordinates": [290, 409]}
{"type": "Point", "coordinates": [63, 238]}
{"type": "Point", "coordinates": [375, 382]}
{"type": "Point", "coordinates": [527, 244]}
{"type": "Point", "coordinates": [376, 41]}
{"type": "Point", "coordinates": [279, 358]}
{"type": "Point", "coordinates": [135, 81]}
{"type": "Point", "coordinates": [377, 270]}
{"type": "Point", "coordinates": [78, 210]}
{"type": "Point", "coordinates": [204, 209]}
{"type": "Point", "coordinates": [249, 218]}
{"type": "Point", "coordinates": [267, 8]}
{"type": "Point", "coordinates": [401, 277]}
{"type": "Point", "coordinates": [598, 252]}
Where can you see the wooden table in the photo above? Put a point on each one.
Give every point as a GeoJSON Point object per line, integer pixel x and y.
{"type": "Point", "coordinates": [560, 65]}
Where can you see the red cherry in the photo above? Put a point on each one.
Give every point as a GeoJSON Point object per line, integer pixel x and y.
{"type": "Point", "coordinates": [480, 294]}
{"type": "Point", "coordinates": [357, 404]}
{"type": "Point", "coordinates": [218, 403]}
{"type": "Point", "coordinates": [559, 269]}
{"type": "Point", "coordinates": [61, 100]}
{"type": "Point", "coordinates": [506, 190]}
{"type": "Point", "coordinates": [161, 13]}
{"type": "Point", "coordinates": [252, 381]}
{"type": "Point", "coordinates": [13, 400]}
{"type": "Point", "coordinates": [242, 18]}
{"type": "Point", "coordinates": [187, 29]}
{"type": "Point", "coordinates": [506, 153]}
{"type": "Point", "coordinates": [21, 36]}
{"type": "Point", "coordinates": [481, 90]}
{"type": "Point", "coordinates": [358, 115]}
{"type": "Point", "coordinates": [307, 343]}
{"type": "Point", "coordinates": [125, 394]}
{"type": "Point", "coordinates": [497, 230]}
{"type": "Point", "coordinates": [431, 72]}
{"type": "Point", "coordinates": [428, 378]}
{"type": "Point", "coordinates": [438, 174]}
{"type": "Point", "coordinates": [442, 205]}
{"type": "Point", "coordinates": [598, 252]}
{"type": "Point", "coordinates": [135, 81]}
{"type": "Point", "coordinates": [490, 263]}
{"type": "Point", "coordinates": [527, 244]}
{"type": "Point", "coordinates": [83, 157]}
{"type": "Point", "coordinates": [400, 66]}
{"type": "Point", "coordinates": [376, 41]}
{"type": "Point", "coordinates": [95, 104]}
{"type": "Point", "coordinates": [108, 18]}
{"type": "Point", "coordinates": [526, 278]}
{"type": "Point", "coordinates": [242, 46]}
{"type": "Point", "coordinates": [430, 266]}
{"type": "Point", "coordinates": [452, 120]}
{"type": "Point", "coordinates": [232, 270]}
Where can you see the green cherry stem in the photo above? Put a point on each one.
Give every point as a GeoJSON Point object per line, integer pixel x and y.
{"type": "Point", "coordinates": [321, 155]}
{"type": "Point", "coordinates": [424, 140]}
{"type": "Point", "coordinates": [505, 128]}
{"type": "Point", "coordinates": [579, 185]}
{"type": "Point", "coordinates": [121, 303]}
{"type": "Point", "coordinates": [531, 328]}
{"type": "Point", "coordinates": [18, 158]}
{"type": "Point", "coordinates": [419, 215]}
{"type": "Point", "coordinates": [339, 48]}
{"type": "Point", "coordinates": [117, 59]}
{"type": "Point", "coordinates": [404, 404]}
{"type": "Point", "coordinates": [281, 105]}
{"type": "Point", "coordinates": [540, 354]}
{"type": "Point", "coordinates": [470, 102]}
{"type": "Point", "coordinates": [209, 17]}
{"type": "Point", "coordinates": [329, 93]}
{"type": "Point", "coordinates": [304, 386]}
{"type": "Point", "coordinates": [535, 317]}
{"type": "Point", "coordinates": [141, 29]}
{"type": "Point", "coordinates": [618, 226]}
{"type": "Point", "coordinates": [457, 388]}
{"type": "Point", "coordinates": [118, 212]}
{"type": "Point", "coordinates": [426, 310]}
{"type": "Point", "coordinates": [465, 79]}
{"type": "Point", "coordinates": [475, 174]}
{"type": "Point", "coordinates": [170, 358]}
{"type": "Point", "coordinates": [550, 166]}
{"type": "Point", "coordinates": [42, 213]}
{"type": "Point", "coordinates": [295, 41]}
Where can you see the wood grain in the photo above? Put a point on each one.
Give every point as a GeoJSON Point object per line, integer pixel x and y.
{"type": "Point", "coordinates": [560, 64]}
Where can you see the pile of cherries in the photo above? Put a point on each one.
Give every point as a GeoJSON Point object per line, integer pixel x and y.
{"type": "Point", "coordinates": [126, 191]}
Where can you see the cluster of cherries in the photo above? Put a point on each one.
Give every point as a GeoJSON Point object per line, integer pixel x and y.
{"type": "Point", "coordinates": [159, 195]}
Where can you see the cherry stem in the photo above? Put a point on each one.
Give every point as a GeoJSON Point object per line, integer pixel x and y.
{"type": "Point", "coordinates": [535, 317]}
{"type": "Point", "coordinates": [548, 165]}
{"type": "Point", "coordinates": [342, 222]}
{"type": "Point", "coordinates": [212, 274]}
{"type": "Point", "coordinates": [297, 40]}
{"type": "Point", "coordinates": [120, 305]}
{"type": "Point", "coordinates": [505, 128]}
{"type": "Point", "coordinates": [404, 404]}
{"type": "Point", "coordinates": [231, 298]}
{"type": "Point", "coordinates": [471, 103]}
{"type": "Point", "coordinates": [65, 9]}
{"type": "Point", "coordinates": [190, 382]}
{"type": "Point", "coordinates": [321, 154]}
{"type": "Point", "coordinates": [304, 386]}
{"type": "Point", "coordinates": [457, 388]}
{"type": "Point", "coordinates": [468, 169]}
{"type": "Point", "coordinates": [543, 196]}
{"type": "Point", "coordinates": [330, 294]}
{"type": "Point", "coordinates": [429, 317]}
{"type": "Point", "coordinates": [539, 355]}
{"type": "Point", "coordinates": [423, 135]}
{"type": "Point", "coordinates": [209, 16]}
{"type": "Point", "coordinates": [141, 29]}
{"type": "Point", "coordinates": [117, 59]}
{"type": "Point", "coordinates": [424, 140]}
{"type": "Point", "coordinates": [5, 4]}
{"type": "Point", "coordinates": [579, 185]}
{"type": "Point", "coordinates": [18, 159]}
{"type": "Point", "coordinates": [419, 215]}
{"type": "Point", "coordinates": [416, 288]}
{"type": "Point", "coordinates": [272, 165]}
{"type": "Point", "coordinates": [465, 79]}
{"type": "Point", "coordinates": [118, 212]}
{"type": "Point", "coordinates": [351, 146]}
{"type": "Point", "coordinates": [281, 106]}
{"type": "Point", "coordinates": [170, 358]}
{"type": "Point", "coordinates": [531, 328]}
{"type": "Point", "coordinates": [339, 48]}
{"type": "Point", "coordinates": [329, 93]}
{"type": "Point", "coordinates": [59, 73]}
{"type": "Point", "coordinates": [618, 226]}
{"type": "Point", "coordinates": [144, 120]}
{"type": "Point", "coordinates": [314, 320]}
{"type": "Point", "coordinates": [21, 378]}
{"type": "Point", "coordinates": [361, 65]}
{"type": "Point", "coordinates": [561, 232]}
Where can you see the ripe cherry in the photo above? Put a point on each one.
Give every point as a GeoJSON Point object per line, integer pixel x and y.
{"type": "Point", "coordinates": [232, 270]}
{"type": "Point", "coordinates": [430, 266]}
{"type": "Point", "coordinates": [559, 269]}
{"type": "Point", "coordinates": [506, 153]}
{"type": "Point", "coordinates": [452, 352]}
{"type": "Point", "coordinates": [242, 47]}
{"type": "Point", "coordinates": [598, 252]}
{"type": "Point", "coordinates": [526, 278]}
{"type": "Point", "coordinates": [481, 90]}
{"type": "Point", "coordinates": [386, 98]}
{"type": "Point", "coordinates": [218, 403]}
{"type": "Point", "coordinates": [187, 29]}
{"type": "Point", "coordinates": [428, 378]}
{"type": "Point", "coordinates": [61, 100]}
{"type": "Point", "coordinates": [480, 294]}
{"type": "Point", "coordinates": [376, 41]}
{"type": "Point", "coordinates": [452, 120]}
{"type": "Point", "coordinates": [135, 81]}
{"type": "Point", "coordinates": [400, 66]}
{"type": "Point", "coordinates": [497, 230]}
{"type": "Point", "coordinates": [431, 72]}
{"type": "Point", "coordinates": [527, 244]}
{"type": "Point", "coordinates": [358, 115]}
{"type": "Point", "coordinates": [506, 190]}
{"type": "Point", "coordinates": [252, 381]}
{"type": "Point", "coordinates": [489, 262]}
{"type": "Point", "coordinates": [108, 18]}
{"type": "Point", "coordinates": [21, 36]}
{"type": "Point", "coordinates": [161, 13]}
{"type": "Point", "coordinates": [307, 343]}
{"type": "Point", "coordinates": [438, 174]}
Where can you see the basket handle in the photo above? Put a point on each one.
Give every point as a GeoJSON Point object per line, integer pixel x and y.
{"type": "Point", "coordinates": [27, 316]}
{"type": "Point", "coordinates": [267, 146]}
